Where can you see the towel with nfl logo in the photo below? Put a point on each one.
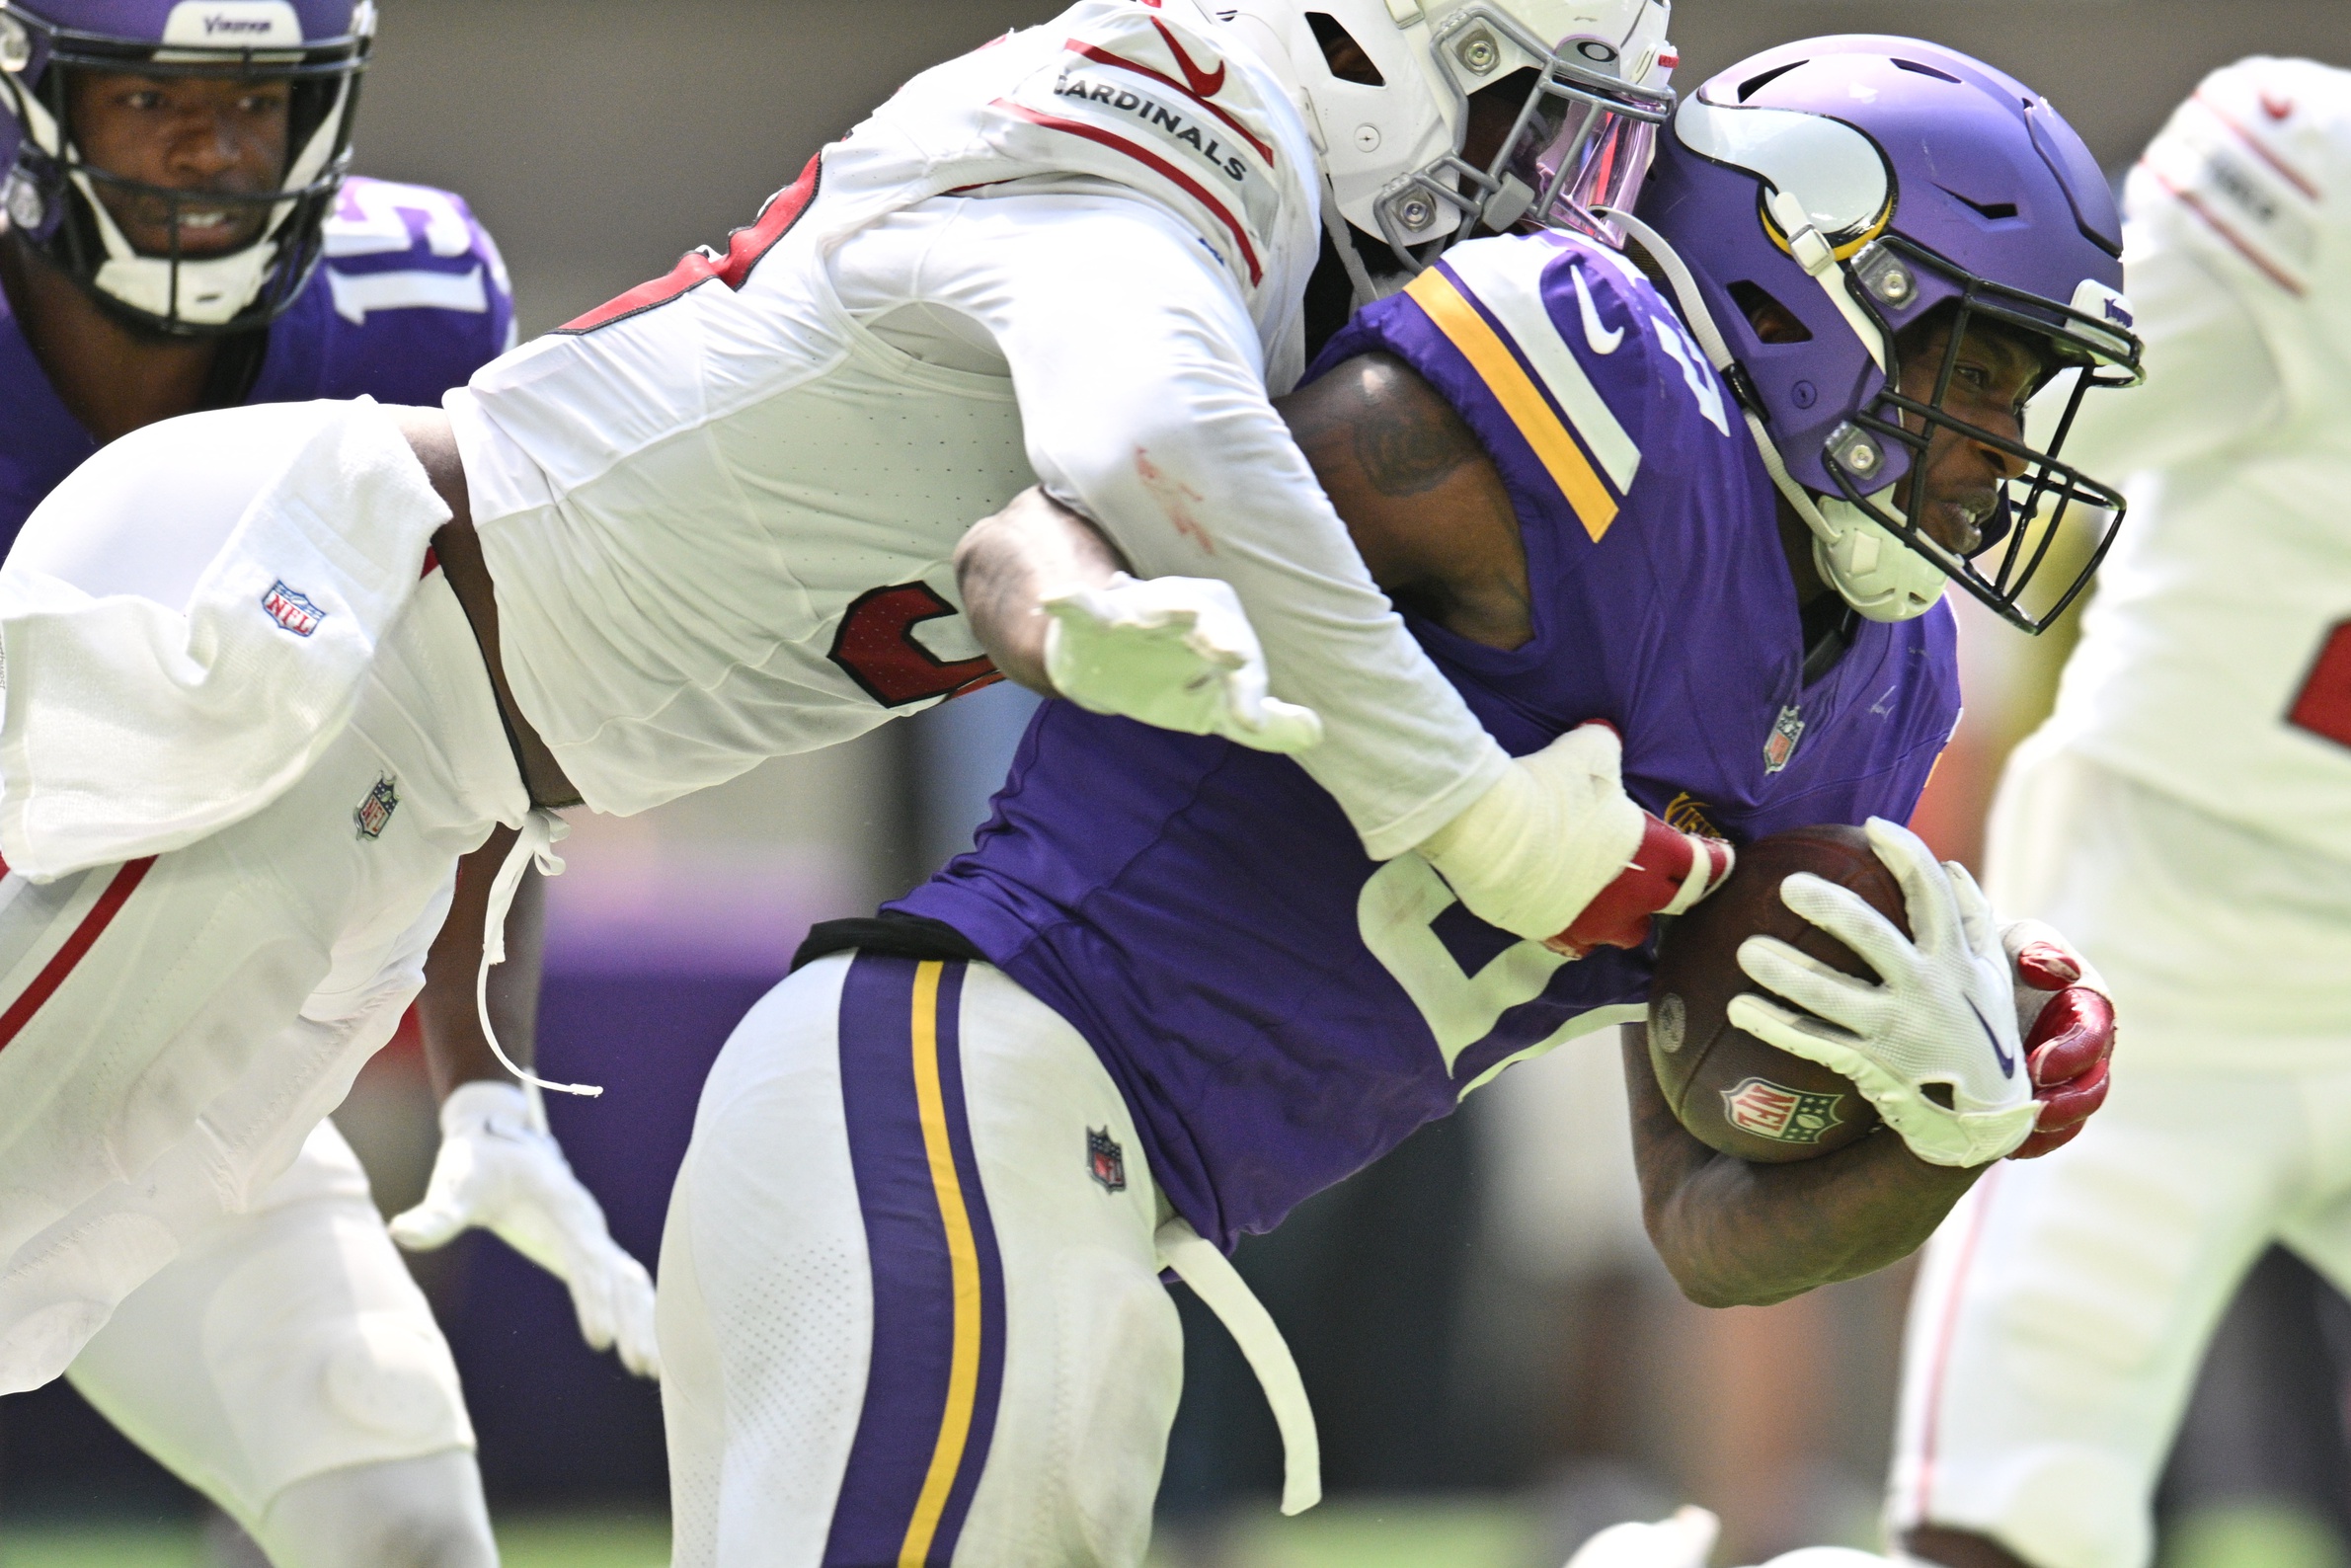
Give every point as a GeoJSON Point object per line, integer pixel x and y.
{"type": "Point", "coordinates": [131, 727]}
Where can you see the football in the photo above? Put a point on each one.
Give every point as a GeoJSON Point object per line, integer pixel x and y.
{"type": "Point", "coordinates": [1734, 1092]}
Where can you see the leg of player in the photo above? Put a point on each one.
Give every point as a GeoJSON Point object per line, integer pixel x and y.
{"type": "Point", "coordinates": [2062, 1310]}
{"type": "Point", "coordinates": [287, 1365]}
{"type": "Point", "coordinates": [422, 1513]}
{"type": "Point", "coordinates": [909, 1306]}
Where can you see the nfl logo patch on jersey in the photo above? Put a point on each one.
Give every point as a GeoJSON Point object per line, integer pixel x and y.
{"type": "Point", "coordinates": [1104, 1160]}
{"type": "Point", "coordinates": [1783, 1115]}
{"type": "Point", "coordinates": [291, 610]}
{"type": "Point", "coordinates": [1786, 731]}
{"type": "Point", "coordinates": [374, 814]}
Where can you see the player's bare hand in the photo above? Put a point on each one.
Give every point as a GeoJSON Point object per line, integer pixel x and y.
{"type": "Point", "coordinates": [2068, 1020]}
{"type": "Point", "coordinates": [1175, 652]}
{"type": "Point", "coordinates": [1936, 1046]}
{"type": "Point", "coordinates": [500, 1168]}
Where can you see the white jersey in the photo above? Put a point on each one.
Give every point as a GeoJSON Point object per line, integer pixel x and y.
{"type": "Point", "coordinates": [719, 511]}
{"type": "Point", "coordinates": [2215, 657]}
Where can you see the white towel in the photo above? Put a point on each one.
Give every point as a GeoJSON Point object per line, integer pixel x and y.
{"type": "Point", "coordinates": [129, 727]}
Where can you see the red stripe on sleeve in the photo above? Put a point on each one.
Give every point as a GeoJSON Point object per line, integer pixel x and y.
{"type": "Point", "coordinates": [1158, 165]}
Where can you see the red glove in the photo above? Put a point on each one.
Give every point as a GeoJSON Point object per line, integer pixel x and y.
{"type": "Point", "coordinates": [1671, 872]}
{"type": "Point", "coordinates": [2067, 1020]}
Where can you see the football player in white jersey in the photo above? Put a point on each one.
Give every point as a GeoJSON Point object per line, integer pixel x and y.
{"type": "Point", "coordinates": [181, 235]}
{"type": "Point", "coordinates": [2186, 816]}
{"type": "Point", "coordinates": [719, 515]}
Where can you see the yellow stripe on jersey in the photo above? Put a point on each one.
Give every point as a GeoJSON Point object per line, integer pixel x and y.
{"type": "Point", "coordinates": [963, 1253]}
{"type": "Point", "coordinates": [1508, 280]}
{"type": "Point", "coordinates": [1507, 380]}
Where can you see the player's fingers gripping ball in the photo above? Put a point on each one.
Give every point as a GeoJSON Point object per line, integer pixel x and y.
{"type": "Point", "coordinates": [1933, 1045]}
{"type": "Point", "coordinates": [1175, 652]}
{"type": "Point", "coordinates": [2068, 1020]}
{"type": "Point", "coordinates": [1736, 1092]}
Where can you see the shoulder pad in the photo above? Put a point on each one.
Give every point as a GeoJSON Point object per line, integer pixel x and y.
{"type": "Point", "coordinates": [391, 245]}
{"type": "Point", "coordinates": [1137, 97]}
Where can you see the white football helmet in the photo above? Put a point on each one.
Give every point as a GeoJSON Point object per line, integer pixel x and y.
{"type": "Point", "coordinates": [1385, 86]}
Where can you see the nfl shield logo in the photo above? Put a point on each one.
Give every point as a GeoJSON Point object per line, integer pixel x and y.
{"type": "Point", "coordinates": [1783, 1115]}
{"type": "Point", "coordinates": [291, 610]}
{"type": "Point", "coordinates": [373, 814]}
{"type": "Point", "coordinates": [1786, 731]}
{"type": "Point", "coordinates": [1104, 1162]}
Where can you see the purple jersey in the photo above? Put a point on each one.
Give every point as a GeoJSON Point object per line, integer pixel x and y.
{"type": "Point", "coordinates": [1279, 1010]}
{"type": "Point", "coordinates": [411, 300]}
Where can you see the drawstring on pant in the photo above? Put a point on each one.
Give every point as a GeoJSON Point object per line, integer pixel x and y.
{"type": "Point", "coordinates": [536, 843]}
{"type": "Point", "coordinates": [1221, 1286]}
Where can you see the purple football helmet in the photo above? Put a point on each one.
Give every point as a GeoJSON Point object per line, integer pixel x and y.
{"type": "Point", "coordinates": [55, 199]}
{"type": "Point", "coordinates": [1863, 184]}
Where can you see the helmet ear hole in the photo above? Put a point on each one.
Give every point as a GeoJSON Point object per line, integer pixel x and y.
{"type": "Point", "coordinates": [1347, 59]}
{"type": "Point", "coordinates": [1772, 321]}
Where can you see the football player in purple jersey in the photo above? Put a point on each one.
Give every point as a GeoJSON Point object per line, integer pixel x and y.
{"type": "Point", "coordinates": [910, 1285]}
{"type": "Point", "coordinates": [183, 234]}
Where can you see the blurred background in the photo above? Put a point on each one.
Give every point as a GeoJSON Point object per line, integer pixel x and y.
{"type": "Point", "coordinates": [1499, 1362]}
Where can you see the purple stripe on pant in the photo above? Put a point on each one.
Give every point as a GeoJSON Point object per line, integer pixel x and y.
{"type": "Point", "coordinates": [907, 1391]}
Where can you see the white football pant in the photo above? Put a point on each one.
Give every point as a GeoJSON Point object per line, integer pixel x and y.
{"type": "Point", "coordinates": [285, 1365]}
{"type": "Point", "coordinates": [909, 1301]}
{"type": "Point", "coordinates": [2065, 1305]}
{"type": "Point", "coordinates": [171, 1028]}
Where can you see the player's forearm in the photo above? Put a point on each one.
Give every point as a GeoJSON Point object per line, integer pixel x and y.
{"type": "Point", "coordinates": [1737, 1234]}
{"type": "Point", "coordinates": [455, 1050]}
{"type": "Point", "coordinates": [1008, 565]}
{"type": "Point", "coordinates": [1144, 405]}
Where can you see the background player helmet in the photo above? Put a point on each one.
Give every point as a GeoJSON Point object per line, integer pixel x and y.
{"type": "Point", "coordinates": [318, 48]}
{"type": "Point", "coordinates": [1863, 184]}
{"type": "Point", "coordinates": [1391, 128]}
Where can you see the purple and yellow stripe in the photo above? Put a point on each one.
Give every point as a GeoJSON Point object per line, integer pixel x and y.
{"type": "Point", "coordinates": [936, 1369]}
{"type": "Point", "coordinates": [1538, 423]}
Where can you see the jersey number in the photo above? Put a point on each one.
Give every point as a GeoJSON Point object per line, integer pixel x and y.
{"type": "Point", "coordinates": [1461, 974]}
{"type": "Point", "coordinates": [876, 646]}
{"type": "Point", "coordinates": [2324, 706]}
{"type": "Point", "coordinates": [745, 248]}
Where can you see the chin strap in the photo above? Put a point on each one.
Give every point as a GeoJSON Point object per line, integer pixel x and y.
{"type": "Point", "coordinates": [536, 843]}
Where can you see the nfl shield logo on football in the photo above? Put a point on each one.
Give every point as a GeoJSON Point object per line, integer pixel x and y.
{"type": "Point", "coordinates": [1104, 1161]}
{"type": "Point", "coordinates": [374, 813]}
{"type": "Point", "coordinates": [291, 610]}
{"type": "Point", "coordinates": [1786, 731]}
{"type": "Point", "coordinates": [1776, 1112]}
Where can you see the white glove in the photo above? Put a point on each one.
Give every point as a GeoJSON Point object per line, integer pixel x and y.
{"type": "Point", "coordinates": [1176, 652]}
{"type": "Point", "coordinates": [1686, 1540]}
{"type": "Point", "coordinates": [1944, 1022]}
{"type": "Point", "coordinates": [1559, 854]}
{"type": "Point", "coordinates": [500, 1168]}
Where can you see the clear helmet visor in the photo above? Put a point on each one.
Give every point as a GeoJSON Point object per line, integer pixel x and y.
{"type": "Point", "coordinates": [1597, 158]}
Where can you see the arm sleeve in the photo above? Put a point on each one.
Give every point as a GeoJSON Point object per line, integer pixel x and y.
{"type": "Point", "coordinates": [1143, 397]}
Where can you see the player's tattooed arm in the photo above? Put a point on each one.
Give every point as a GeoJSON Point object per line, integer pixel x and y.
{"type": "Point", "coordinates": [1419, 496]}
{"type": "Point", "coordinates": [1006, 565]}
{"type": "Point", "coordinates": [1737, 1234]}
